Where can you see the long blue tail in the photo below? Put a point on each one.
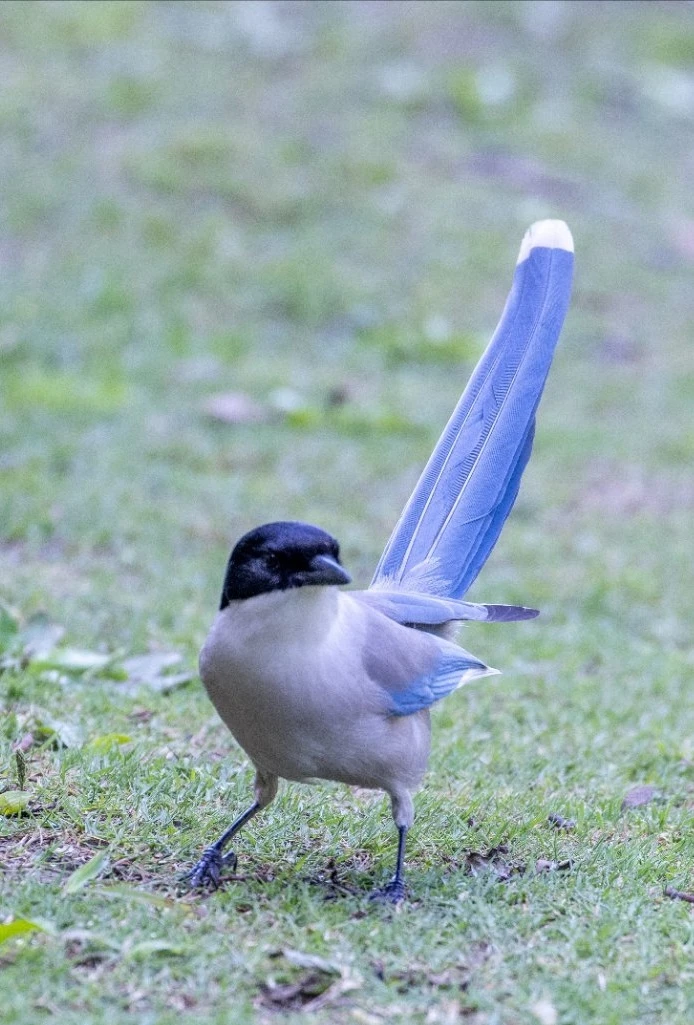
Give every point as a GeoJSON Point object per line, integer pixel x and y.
{"type": "Point", "coordinates": [455, 513]}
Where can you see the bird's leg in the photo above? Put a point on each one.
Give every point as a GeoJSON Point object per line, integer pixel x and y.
{"type": "Point", "coordinates": [394, 891]}
{"type": "Point", "coordinates": [209, 868]}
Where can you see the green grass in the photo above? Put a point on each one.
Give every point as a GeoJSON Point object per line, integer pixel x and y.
{"type": "Point", "coordinates": [319, 206]}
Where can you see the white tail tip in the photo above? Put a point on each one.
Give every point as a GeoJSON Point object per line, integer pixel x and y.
{"type": "Point", "coordinates": [548, 234]}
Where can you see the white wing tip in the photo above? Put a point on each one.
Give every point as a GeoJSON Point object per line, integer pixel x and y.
{"type": "Point", "coordinates": [548, 234]}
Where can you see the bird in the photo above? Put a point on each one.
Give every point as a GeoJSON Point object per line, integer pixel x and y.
{"type": "Point", "coordinates": [320, 683]}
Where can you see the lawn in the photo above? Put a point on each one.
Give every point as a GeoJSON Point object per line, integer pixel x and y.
{"type": "Point", "coordinates": [249, 255]}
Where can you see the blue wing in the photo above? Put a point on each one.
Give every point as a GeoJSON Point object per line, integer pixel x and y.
{"type": "Point", "coordinates": [410, 669]}
{"type": "Point", "coordinates": [454, 667]}
{"type": "Point", "coordinates": [455, 514]}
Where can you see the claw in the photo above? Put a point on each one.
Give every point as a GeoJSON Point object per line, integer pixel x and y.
{"type": "Point", "coordinates": [229, 861]}
{"type": "Point", "coordinates": [392, 893]}
{"type": "Point", "coordinates": [208, 870]}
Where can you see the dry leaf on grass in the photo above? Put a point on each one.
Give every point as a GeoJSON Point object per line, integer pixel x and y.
{"type": "Point", "coordinates": [559, 822]}
{"type": "Point", "coordinates": [153, 671]}
{"type": "Point", "coordinates": [638, 796]}
{"type": "Point", "coordinates": [674, 894]}
{"type": "Point", "coordinates": [493, 860]}
{"type": "Point", "coordinates": [322, 982]}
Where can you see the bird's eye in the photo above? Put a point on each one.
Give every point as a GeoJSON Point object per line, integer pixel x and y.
{"type": "Point", "coordinates": [272, 560]}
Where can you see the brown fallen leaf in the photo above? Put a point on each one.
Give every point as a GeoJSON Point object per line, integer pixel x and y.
{"type": "Point", "coordinates": [559, 822]}
{"type": "Point", "coordinates": [321, 983]}
{"type": "Point", "coordinates": [493, 859]}
{"type": "Point", "coordinates": [296, 994]}
{"type": "Point", "coordinates": [140, 715]}
{"type": "Point", "coordinates": [330, 880]}
{"type": "Point", "coordinates": [311, 992]}
{"type": "Point", "coordinates": [416, 975]}
{"type": "Point", "coordinates": [674, 894]}
{"type": "Point", "coordinates": [154, 671]}
{"type": "Point", "coordinates": [419, 973]}
{"type": "Point", "coordinates": [638, 796]}
{"type": "Point", "coordinates": [24, 744]}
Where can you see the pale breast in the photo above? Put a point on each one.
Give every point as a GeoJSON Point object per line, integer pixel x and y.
{"type": "Point", "coordinates": [287, 679]}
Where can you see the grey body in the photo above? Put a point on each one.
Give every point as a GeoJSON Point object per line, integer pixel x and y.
{"type": "Point", "coordinates": [302, 679]}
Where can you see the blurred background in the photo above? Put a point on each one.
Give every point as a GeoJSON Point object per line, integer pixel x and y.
{"type": "Point", "coordinates": [249, 255]}
{"type": "Point", "coordinates": [250, 252]}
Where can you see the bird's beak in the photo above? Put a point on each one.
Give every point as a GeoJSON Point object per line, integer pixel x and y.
{"type": "Point", "coordinates": [326, 570]}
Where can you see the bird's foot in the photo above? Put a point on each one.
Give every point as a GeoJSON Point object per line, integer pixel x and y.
{"type": "Point", "coordinates": [392, 893]}
{"type": "Point", "coordinates": [208, 870]}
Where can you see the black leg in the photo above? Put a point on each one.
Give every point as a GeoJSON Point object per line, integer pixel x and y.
{"type": "Point", "coordinates": [209, 868]}
{"type": "Point", "coordinates": [394, 891]}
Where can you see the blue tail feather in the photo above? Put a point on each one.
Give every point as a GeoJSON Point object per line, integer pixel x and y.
{"type": "Point", "coordinates": [467, 490]}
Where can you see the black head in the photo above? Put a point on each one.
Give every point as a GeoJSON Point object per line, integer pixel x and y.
{"type": "Point", "coordinates": [279, 556]}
